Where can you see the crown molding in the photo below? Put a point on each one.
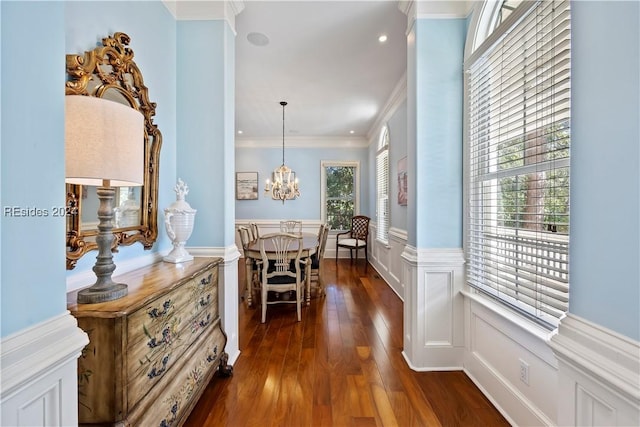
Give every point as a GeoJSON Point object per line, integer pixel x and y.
{"type": "Point", "coordinates": [397, 97]}
{"type": "Point", "coordinates": [435, 9]}
{"type": "Point", "coordinates": [438, 9]}
{"type": "Point", "coordinates": [205, 10]}
{"type": "Point", "coordinates": [303, 142]}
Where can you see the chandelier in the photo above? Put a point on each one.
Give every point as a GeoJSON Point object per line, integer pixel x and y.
{"type": "Point", "coordinates": [284, 185]}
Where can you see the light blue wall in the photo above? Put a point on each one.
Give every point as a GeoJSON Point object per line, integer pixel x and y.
{"type": "Point", "coordinates": [437, 164]}
{"type": "Point", "coordinates": [35, 38]}
{"type": "Point", "coordinates": [33, 286]}
{"type": "Point", "coordinates": [306, 163]}
{"type": "Point", "coordinates": [152, 30]}
{"type": "Point", "coordinates": [205, 130]}
{"type": "Point", "coordinates": [605, 170]}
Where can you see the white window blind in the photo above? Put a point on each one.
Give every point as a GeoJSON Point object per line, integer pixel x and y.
{"type": "Point", "coordinates": [382, 186]}
{"type": "Point", "coordinates": [519, 109]}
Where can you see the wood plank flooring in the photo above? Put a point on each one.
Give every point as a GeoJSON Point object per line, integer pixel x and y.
{"type": "Point", "coordinates": [340, 366]}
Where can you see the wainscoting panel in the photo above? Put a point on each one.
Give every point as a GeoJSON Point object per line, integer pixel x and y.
{"type": "Point", "coordinates": [434, 309]}
{"type": "Point", "coordinates": [38, 374]}
{"type": "Point", "coordinates": [498, 344]}
{"type": "Point", "coordinates": [599, 375]}
{"type": "Point", "coordinates": [387, 259]}
{"type": "Point", "coordinates": [438, 302]}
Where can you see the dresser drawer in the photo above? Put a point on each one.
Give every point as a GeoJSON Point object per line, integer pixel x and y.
{"type": "Point", "coordinates": [157, 322]}
{"type": "Point", "coordinates": [148, 366]}
{"type": "Point", "coordinates": [148, 360]}
{"type": "Point", "coordinates": [169, 403]}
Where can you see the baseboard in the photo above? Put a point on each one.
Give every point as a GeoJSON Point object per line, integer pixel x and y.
{"type": "Point", "coordinates": [38, 373]}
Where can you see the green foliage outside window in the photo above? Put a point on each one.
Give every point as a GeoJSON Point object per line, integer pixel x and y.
{"type": "Point", "coordinates": [340, 196]}
{"type": "Point", "coordinates": [523, 197]}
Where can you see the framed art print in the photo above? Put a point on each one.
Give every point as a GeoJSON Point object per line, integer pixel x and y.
{"type": "Point", "coordinates": [246, 185]}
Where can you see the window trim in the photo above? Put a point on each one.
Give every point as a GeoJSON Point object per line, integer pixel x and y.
{"type": "Point", "coordinates": [382, 232]}
{"type": "Point", "coordinates": [481, 41]}
{"type": "Point", "coordinates": [323, 186]}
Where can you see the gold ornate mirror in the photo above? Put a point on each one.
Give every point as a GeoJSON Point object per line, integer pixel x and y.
{"type": "Point", "coordinates": [109, 71]}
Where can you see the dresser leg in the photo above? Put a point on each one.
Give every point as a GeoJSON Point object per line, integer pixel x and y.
{"type": "Point", "coordinates": [225, 370]}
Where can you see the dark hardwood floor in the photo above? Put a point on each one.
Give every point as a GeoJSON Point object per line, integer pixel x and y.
{"type": "Point", "coordinates": [340, 366]}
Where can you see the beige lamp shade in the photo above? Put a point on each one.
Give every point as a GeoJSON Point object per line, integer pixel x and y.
{"type": "Point", "coordinates": [104, 140]}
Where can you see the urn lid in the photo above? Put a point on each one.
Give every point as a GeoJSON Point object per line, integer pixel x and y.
{"type": "Point", "coordinates": [180, 204]}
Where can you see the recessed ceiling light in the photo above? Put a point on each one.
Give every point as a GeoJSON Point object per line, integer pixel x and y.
{"type": "Point", "coordinates": [239, 132]}
{"type": "Point", "coordinates": [352, 132]}
{"type": "Point", "coordinates": [258, 39]}
{"type": "Point", "coordinates": [382, 38]}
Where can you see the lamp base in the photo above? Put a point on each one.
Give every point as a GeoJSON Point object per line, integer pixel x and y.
{"type": "Point", "coordinates": [92, 295]}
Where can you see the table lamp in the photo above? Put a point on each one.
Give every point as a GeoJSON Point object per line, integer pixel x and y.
{"type": "Point", "coordinates": [104, 143]}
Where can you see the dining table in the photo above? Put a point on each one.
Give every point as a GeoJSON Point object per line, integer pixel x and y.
{"type": "Point", "coordinates": [252, 254]}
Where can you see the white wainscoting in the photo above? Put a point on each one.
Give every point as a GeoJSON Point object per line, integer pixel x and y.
{"type": "Point", "coordinates": [433, 308]}
{"type": "Point", "coordinates": [599, 375]}
{"type": "Point", "coordinates": [228, 297]}
{"type": "Point", "coordinates": [498, 341]}
{"type": "Point", "coordinates": [39, 374]}
{"type": "Point", "coordinates": [387, 258]}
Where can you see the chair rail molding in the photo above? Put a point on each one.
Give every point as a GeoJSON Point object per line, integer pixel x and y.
{"type": "Point", "coordinates": [434, 308]}
{"type": "Point", "coordinates": [598, 373]}
{"type": "Point", "coordinates": [38, 373]}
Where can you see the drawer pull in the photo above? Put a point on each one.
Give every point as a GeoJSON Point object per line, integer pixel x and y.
{"type": "Point", "coordinates": [157, 372]}
{"type": "Point", "coordinates": [200, 324]}
{"type": "Point", "coordinates": [174, 415]}
{"type": "Point", "coordinates": [166, 338]}
{"type": "Point", "coordinates": [205, 302]}
{"type": "Point", "coordinates": [156, 313]}
{"type": "Point", "coordinates": [205, 322]}
{"type": "Point", "coordinates": [207, 280]}
{"type": "Point", "coordinates": [212, 357]}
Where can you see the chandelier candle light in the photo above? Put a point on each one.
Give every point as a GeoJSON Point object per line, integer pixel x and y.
{"type": "Point", "coordinates": [283, 187]}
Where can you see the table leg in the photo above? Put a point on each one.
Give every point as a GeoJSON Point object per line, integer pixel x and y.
{"type": "Point", "coordinates": [308, 279]}
{"type": "Point", "coordinates": [249, 280]}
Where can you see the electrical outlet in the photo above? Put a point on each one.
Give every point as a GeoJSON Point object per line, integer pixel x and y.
{"type": "Point", "coordinates": [524, 372]}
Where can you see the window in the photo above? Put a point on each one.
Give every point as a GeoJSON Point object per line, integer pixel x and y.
{"type": "Point", "coordinates": [519, 112]}
{"type": "Point", "coordinates": [382, 186]}
{"type": "Point", "coordinates": [340, 191]}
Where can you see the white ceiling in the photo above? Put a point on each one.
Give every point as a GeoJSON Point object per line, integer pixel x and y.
{"type": "Point", "coordinates": [324, 59]}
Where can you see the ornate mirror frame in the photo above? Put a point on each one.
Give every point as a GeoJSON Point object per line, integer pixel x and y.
{"type": "Point", "coordinates": [105, 69]}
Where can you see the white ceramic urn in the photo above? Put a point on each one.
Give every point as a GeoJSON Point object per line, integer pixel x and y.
{"type": "Point", "coordinates": [178, 221]}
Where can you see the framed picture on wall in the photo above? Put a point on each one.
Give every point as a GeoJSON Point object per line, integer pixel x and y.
{"type": "Point", "coordinates": [402, 181]}
{"type": "Point", "coordinates": [246, 185]}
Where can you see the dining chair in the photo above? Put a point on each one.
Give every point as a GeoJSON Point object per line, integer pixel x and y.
{"type": "Point", "coordinates": [245, 240]}
{"type": "Point", "coordinates": [356, 238]}
{"type": "Point", "coordinates": [316, 259]}
{"type": "Point", "coordinates": [282, 270]}
{"type": "Point", "coordinates": [255, 231]}
{"type": "Point", "coordinates": [290, 226]}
